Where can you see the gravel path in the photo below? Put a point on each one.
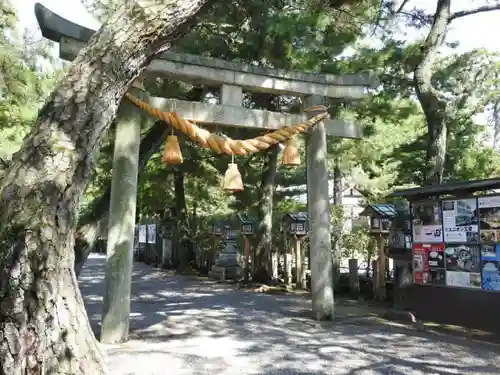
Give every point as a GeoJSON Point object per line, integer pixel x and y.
{"type": "Point", "coordinates": [187, 327]}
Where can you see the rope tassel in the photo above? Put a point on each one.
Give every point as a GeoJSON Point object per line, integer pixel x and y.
{"type": "Point", "coordinates": [232, 178]}
{"type": "Point", "coordinates": [172, 151]}
{"type": "Point", "coordinates": [291, 156]}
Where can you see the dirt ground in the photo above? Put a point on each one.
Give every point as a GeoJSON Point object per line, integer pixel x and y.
{"type": "Point", "coordinates": [184, 325]}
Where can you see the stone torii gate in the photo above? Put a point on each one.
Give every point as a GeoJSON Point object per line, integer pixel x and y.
{"type": "Point", "coordinates": [232, 78]}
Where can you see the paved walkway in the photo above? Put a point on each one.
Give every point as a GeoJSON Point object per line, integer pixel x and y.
{"type": "Point", "coordinates": [181, 326]}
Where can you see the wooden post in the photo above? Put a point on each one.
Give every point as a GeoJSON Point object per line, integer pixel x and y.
{"type": "Point", "coordinates": [353, 278]}
{"type": "Point", "coordinates": [375, 278]}
{"type": "Point", "coordinates": [318, 207]}
{"type": "Point", "coordinates": [274, 260]}
{"type": "Point", "coordinates": [121, 227]}
{"type": "Point", "coordinates": [381, 294]}
{"type": "Point", "coordinates": [298, 262]}
{"type": "Point", "coordinates": [247, 258]}
{"type": "Point", "coordinates": [288, 267]}
{"type": "Point", "coordinates": [304, 264]}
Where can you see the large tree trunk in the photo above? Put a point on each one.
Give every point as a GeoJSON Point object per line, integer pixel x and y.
{"type": "Point", "coordinates": [338, 229]}
{"type": "Point", "coordinates": [262, 269]}
{"type": "Point", "coordinates": [43, 324]}
{"type": "Point", "coordinates": [263, 262]}
{"type": "Point", "coordinates": [184, 242]}
{"type": "Point", "coordinates": [433, 106]}
{"type": "Point", "coordinates": [95, 218]}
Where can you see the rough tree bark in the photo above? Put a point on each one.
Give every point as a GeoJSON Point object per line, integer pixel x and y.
{"type": "Point", "coordinates": [262, 269]}
{"type": "Point", "coordinates": [95, 218]}
{"type": "Point", "coordinates": [43, 324]}
{"type": "Point", "coordinates": [433, 104]}
{"type": "Point", "coordinates": [184, 245]}
{"type": "Point", "coordinates": [337, 232]}
{"type": "Point", "coordinates": [263, 262]}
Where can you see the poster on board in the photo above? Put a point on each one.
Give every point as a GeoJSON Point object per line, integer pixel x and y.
{"type": "Point", "coordinates": [151, 233]}
{"type": "Point", "coordinates": [429, 264]}
{"type": "Point", "coordinates": [463, 279]}
{"type": "Point", "coordinates": [435, 256]}
{"type": "Point", "coordinates": [420, 264]}
{"type": "Point", "coordinates": [489, 218]}
{"type": "Point", "coordinates": [142, 234]}
{"type": "Point", "coordinates": [462, 264]}
{"type": "Point", "coordinates": [426, 222]}
{"type": "Point", "coordinates": [436, 264]}
{"type": "Point", "coordinates": [490, 267]}
{"type": "Point", "coordinates": [464, 258]}
{"type": "Point", "coordinates": [460, 221]}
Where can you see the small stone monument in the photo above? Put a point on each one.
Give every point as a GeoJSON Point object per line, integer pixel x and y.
{"type": "Point", "coordinates": [228, 264]}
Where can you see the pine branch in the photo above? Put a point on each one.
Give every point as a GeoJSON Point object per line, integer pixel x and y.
{"type": "Point", "coordinates": [401, 6]}
{"type": "Point", "coordinates": [4, 164]}
{"type": "Point", "coordinates": [469, 12]}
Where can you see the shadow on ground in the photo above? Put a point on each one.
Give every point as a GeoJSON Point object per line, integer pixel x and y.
{"type": "Point", "coordinates": [180, 326]}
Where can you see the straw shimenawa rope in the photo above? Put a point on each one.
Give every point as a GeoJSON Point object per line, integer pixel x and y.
{"type": "Point", "coordinates": [227, 145]}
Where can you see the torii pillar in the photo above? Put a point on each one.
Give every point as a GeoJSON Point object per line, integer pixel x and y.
{"type": "Point", "coordinates": [318, 207]}
{"type": "Point", "coordinates": [121, 222]}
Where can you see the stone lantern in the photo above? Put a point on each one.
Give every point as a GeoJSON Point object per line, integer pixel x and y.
{"type": "Point", "coordinates": [381, 216]}
{"type": "Point", "coordinates": [217, 229]}
{"type": "Point", "coordinates": [296, 227]}
{"type": "Point", "coordinates": [247, 225]}
{"type": "Point", "coordinates": [227, 264]}
{"type": "Point", "coordinates": [296, 224]}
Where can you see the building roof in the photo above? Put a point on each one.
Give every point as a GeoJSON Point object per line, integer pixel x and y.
{"type": "Point", "coordinates": [244, 218]}
{"type": "Point", "coordinates": [449, 188]}
{"type": "Point", "coordinates": [382, 210]}
{"type": "Point", "coordinates": [296, 216]}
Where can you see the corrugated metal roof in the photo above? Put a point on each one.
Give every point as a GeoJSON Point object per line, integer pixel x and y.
{"type": "Point", "coordinates": [244, 218]}
{"type": "Point", "coordinates": [381, 209]}
{"type": "Point", "coordinates": [385, 209]}
{"type": "Point", "coordinates": [297, 216]}
{"type": "Point", "coordinates": [448, 188]}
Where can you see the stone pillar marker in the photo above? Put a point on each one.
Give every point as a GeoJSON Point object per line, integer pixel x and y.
{"type": "Point", "coordinates": [288, 267]}
{"type": "Point", "coordinates": [121, 225]}
{"type": "Point", "coordinates": [319, 218]}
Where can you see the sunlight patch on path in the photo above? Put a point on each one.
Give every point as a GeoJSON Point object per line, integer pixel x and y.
{"type": "Point", "coordinates": [190, 327]}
